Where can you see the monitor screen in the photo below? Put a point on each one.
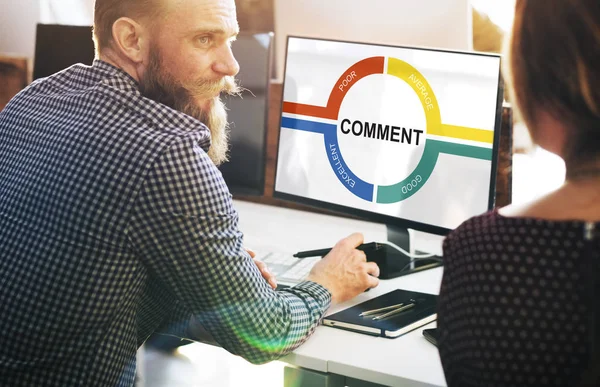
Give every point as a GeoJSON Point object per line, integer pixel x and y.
{"type": "Point", "coordinates": [61, 46]}
{"type": "Point", "coordinates": [404, 136]}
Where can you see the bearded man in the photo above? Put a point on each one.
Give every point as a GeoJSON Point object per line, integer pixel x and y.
{"type": "Point", "coordinates": [114, 220]}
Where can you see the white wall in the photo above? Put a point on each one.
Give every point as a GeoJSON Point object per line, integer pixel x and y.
{"type": "Point", "coordinates": [18, 19]}
{"type": "Point", "coordinates": [73, 12]}
{"type": "Point", "coordinates": [17, 26]}
{"type": "Point", "coordinates": [429, 23]}
{"type": "Point", "coordinates": [501, 12]}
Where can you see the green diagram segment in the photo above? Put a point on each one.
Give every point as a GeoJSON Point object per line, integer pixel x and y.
{"type": "Point", "coordinates": [417, 179]}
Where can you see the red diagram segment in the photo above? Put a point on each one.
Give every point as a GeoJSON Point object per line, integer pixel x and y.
{"type": "Point", "coordinates": [364, 68]}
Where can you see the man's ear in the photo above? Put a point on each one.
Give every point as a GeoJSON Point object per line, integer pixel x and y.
{"type": "Point", "coordinates": [130, 39]}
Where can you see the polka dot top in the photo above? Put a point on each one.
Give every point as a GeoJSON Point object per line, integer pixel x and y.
{"type": "Point", "coordinates": [515, 302]}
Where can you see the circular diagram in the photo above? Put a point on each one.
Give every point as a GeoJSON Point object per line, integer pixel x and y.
{"type": "Point", "coordinates": [434, 133]}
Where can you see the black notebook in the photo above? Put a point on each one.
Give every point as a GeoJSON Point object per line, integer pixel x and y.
{"type": "Point", "coordinates": [421, 311]}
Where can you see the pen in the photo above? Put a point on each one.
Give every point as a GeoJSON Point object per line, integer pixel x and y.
{"type": "Point", "coordinates": [312, 253]}
{"type": "Point", "coordinates": [393, 312]}
{"type": "Point", "coordinates": [375, 311]}
{"type": "Point", "coordinates": [323, 252]}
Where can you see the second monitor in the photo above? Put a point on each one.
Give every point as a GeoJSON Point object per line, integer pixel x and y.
{"type": "Point", "coordinates": [248, 115]}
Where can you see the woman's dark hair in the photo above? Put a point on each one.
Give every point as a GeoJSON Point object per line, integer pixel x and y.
{"type": "Point", "coordinates": [553, 67]}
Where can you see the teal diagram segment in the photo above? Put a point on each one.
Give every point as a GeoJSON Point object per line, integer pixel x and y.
{"type": "Point", "coordinates": [391, 193]}
{"type": "Point", "coordinates": [417, 179]}
{"type": "Point", "coordinates": [452, 148]}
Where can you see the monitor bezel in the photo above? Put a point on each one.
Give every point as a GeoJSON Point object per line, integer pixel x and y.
{"type": "Point", "coordinates": [374, 216]}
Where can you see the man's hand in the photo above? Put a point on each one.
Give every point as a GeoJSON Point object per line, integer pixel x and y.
{"type": "Point", "coordinates": [264, 270]}
{"type": "Point", "coordinates": [345, 271]}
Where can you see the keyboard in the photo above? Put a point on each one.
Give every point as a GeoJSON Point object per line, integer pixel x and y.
{"type": "Point", "coordinates": [286, 267]}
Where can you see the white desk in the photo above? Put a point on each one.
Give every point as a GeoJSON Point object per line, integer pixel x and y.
{"type": "Point", "coordinates": [405, 361]}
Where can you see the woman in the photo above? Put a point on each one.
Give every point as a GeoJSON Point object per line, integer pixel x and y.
{"type": "Point", "coordinates": [517, 298]}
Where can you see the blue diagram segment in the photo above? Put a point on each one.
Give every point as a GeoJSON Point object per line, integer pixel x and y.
{"type": "Point", "coordinates": [307, 126]}
{"type": "Point", "coordinates": [351, 182]}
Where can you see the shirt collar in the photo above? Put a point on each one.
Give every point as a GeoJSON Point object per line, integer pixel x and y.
{"type": "Point", "coordinates": [108, 69]}
{"type": "Point", "coordinates": [119, 79]}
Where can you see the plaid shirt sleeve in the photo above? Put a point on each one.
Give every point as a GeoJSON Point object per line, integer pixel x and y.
{"type": "Point", "coordinates": [184, 228]}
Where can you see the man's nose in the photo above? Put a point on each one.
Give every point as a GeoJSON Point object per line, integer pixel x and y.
{"type": "Point", "coordinates": [226, 64]}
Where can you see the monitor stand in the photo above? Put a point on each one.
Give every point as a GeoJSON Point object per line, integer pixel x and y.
{"type": "Point", "coordinates": [393, 263]}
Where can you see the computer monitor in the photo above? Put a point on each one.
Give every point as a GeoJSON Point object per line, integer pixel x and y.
{"type": "Point", "coordinates": [398, 135]}
{"type": "Point", "coordinates": [443, 24]}
{"type": "Point", "coordinates": [244, 173]}
{"type": "Point", "coordinates": [61, 46]}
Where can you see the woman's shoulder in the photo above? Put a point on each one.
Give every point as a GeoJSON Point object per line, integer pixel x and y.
{"type": "Point", "coordinates": [517, 220]}
{"type": "Point", "coordinates": [489, 223]}
{"type": "Point", "coordinates": [471, 236]}
{"type": "Point", "coordinates": [495, 232]}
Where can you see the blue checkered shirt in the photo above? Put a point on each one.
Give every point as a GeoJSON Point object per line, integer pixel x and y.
{"type": "Point", "coordinates": [115, 224]}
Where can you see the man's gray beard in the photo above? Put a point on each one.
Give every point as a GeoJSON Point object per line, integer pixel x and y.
{"type": "Point", "coordinates": [160, 86]}
{"type": "Point", "coordinates": [215, 118]}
